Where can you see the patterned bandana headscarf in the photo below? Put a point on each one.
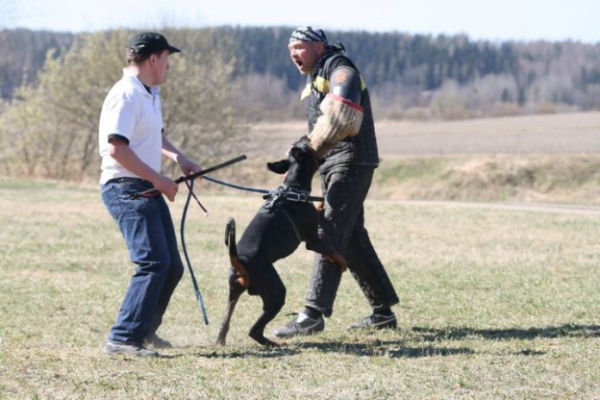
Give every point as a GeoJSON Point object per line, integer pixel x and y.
{"type": "Point", "coordinates": [309, 34]}
{"type": "Point", "coordinates": [312, 34]}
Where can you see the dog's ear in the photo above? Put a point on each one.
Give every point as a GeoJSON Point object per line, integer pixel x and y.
{"type": "Point", "coordinates": [279, 167]}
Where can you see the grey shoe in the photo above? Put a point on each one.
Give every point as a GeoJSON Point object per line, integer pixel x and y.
{"type": "Point", "coordinates": [157, 342]}
{"type": "Point", "coordinates": [376, 321]}
{"type": "Point", "coordinates": [301, 326]}
{"type": "Point", "coordinates": [113, 347]}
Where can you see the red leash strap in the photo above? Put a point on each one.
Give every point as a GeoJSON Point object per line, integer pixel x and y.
{"type": "Point", "coordinates": [187, 183]}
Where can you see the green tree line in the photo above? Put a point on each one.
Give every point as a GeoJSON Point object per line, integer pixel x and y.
{"type": "Point", "coordinates": [562, 73]}
{"type": "Point", "coordinates": [53, 86]}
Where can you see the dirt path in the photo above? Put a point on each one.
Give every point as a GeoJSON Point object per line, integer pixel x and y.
{"type": "Point", "coordinates": [511, 206]}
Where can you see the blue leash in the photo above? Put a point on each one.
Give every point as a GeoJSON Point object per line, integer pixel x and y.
{"type": "Point", "coordinates": [234, 186]}
{"type": "Point", "coordinates": [264, 191]}
{"type": "Point", "coordinates": [187, 259]}
{"type": "Point", "coordinates": [189, 181]}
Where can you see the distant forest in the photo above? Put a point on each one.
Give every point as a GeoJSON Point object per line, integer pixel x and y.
{"type": "Point", "coordinates": [409, 76]}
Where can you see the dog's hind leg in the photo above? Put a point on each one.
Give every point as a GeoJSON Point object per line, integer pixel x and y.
{"type": "Point", "coordinates": [272, 292]}
{"type": "Point", "coordinates": [235, 291]}
{"type": "Point", "coordinates": [257, 332]}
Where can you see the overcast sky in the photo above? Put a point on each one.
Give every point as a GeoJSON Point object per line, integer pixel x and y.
{"type": "Point", "coordinates": [528, 20]}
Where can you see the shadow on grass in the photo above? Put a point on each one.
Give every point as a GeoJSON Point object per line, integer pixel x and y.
{"type": "Point", "coordinates": [398, 349]}
{"type": "Point", "coordinates": [453, 333]}
{"type": "Point", "coordinates": [390, 349]}
{"type": "Point", "coordinates": [261, 352]}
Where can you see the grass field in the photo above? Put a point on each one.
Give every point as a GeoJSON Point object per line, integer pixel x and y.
{"type": "Point", "coordinates": [495, 304]}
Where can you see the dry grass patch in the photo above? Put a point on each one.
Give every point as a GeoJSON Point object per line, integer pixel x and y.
{"type": "Point", "coordinates": [542, 178]}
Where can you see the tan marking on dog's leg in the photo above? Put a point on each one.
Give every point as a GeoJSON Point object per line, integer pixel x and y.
{"type": "Point", "coordinates": [339, 260]}
{"type": "Point", "coordinates": [240, 271]}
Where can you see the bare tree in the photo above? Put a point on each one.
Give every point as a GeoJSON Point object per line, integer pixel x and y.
{"type": "Point", "coordinates": [52, 128]}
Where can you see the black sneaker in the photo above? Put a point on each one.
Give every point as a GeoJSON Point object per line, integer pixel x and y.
{"type": "Point", "coordinates": [376, 321]}
{"type": "Point", "coordinates": [157, 342]}
{"type": "Point", "coordinates": [301, 326]}
{"type": "Point", "coordinates": [113, 347]}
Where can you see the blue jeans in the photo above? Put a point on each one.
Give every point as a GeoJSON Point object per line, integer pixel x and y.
{"type": "Point", "coordinates": [147, 228]}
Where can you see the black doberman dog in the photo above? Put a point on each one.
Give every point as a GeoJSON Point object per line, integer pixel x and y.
{"type": "Point", "coordinates": [285, 219]}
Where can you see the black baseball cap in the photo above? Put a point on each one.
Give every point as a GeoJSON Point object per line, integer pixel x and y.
{"type": "Point", "coordinates": [149, 42]}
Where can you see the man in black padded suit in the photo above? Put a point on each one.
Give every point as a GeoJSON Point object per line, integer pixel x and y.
{"type": "Point", "coordinates": [341, 130]}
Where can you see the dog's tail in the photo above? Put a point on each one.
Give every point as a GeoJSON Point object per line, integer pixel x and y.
{"type": "Point", "coordinates": [238, 280]}
{"type": "Point", "coordinates": [242, 275]}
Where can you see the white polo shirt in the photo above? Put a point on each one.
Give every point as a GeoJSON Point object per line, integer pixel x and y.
{"type": "Point", "coordinates": [133, 113]}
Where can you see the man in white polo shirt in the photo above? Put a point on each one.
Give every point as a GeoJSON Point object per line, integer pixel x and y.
{"type": "Point", "coordinates": [132, 145]}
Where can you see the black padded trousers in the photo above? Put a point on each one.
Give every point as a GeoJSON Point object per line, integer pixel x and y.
{"type": "Point", "coordinates": [345, 190]}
